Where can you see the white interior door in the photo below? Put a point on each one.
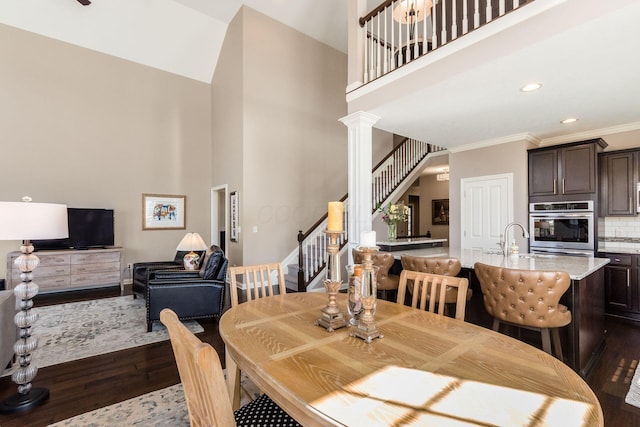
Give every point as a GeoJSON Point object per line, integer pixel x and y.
{"type": "Point", "coordinates": [486, 207]}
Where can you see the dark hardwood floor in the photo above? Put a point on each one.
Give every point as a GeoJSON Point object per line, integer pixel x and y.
{"type": "Point", "coordinates": [84, 385]}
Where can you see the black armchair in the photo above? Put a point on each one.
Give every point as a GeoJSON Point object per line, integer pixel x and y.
{"type": "Point", "coordinates": [143, 272]}
{"type": "Point", "coordinates": [190, 294]}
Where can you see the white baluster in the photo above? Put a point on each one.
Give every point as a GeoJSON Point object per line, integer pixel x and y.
{"type": "Point", "coordinates": [425, 43]}
{"type": "Point", "coordinates": [443, 36]}
{"type": "Point", "coordinates": [465, 20]}
{"type": "Point", "coordinates": [393, 39]}
{"type": "Point", "coordinates": [366, 56]}
{"type": "Point", "coordinates": [434, 19]}
{"type": "Point", "coordinates": [489, 12]}
{"type": "Point", "coordinates": [501, 7]}
{"type": "Point", "coordinates": [379, 45]}
{"type": "Point", "coordinates": [454, 25]}
{"type": "Point", "coordinates": [386, 49]}
{"type": "Point", "coordinates": [476, 15]}
{"type": "Point", "coordinates": [516, 4]}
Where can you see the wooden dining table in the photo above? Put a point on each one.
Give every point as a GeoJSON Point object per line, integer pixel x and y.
{"type": "Point", "coordinates": [426, 370]}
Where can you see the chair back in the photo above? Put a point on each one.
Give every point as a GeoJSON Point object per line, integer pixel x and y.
{"type": "Point", "coordinates": [214, 265]}
{"type": "Point", "coordinates": [441, 266]}
{"type": "Point", "coordinates": [258, 279]}
{"type": "Point", "coordinates": [432, 288]}
{"type": "Point", "coordinates": [524, 297]}
{"type": "Point", "coordinates": [384, 261]}
{"type": "Point", "coordinates": [201, 375]}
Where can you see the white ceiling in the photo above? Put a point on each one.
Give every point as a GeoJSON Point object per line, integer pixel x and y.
{"type": "Point", "coordinates": [586, 54]}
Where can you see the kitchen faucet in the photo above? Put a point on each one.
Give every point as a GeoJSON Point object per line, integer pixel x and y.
{"type": "Point", "coordinates": [503, 241]}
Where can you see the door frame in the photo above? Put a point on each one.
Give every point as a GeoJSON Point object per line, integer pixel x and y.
{"type": "Point", "coordinates": [215, 218]}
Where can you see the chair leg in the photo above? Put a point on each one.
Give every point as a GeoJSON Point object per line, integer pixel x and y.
{"type": "Point", "coordinates": [149, 326]}
{"type": "Point", "coordinates": [546, 340]}
{"type": "Point", "coordinates": [496, 325]}
{"type": "Point", "coordinates": [555, 334]}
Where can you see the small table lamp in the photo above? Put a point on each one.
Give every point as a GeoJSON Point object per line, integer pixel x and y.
{"type": "Point", "coordinates": [26, 221]}
{"type": "Point", "coordinates": [191, 242]}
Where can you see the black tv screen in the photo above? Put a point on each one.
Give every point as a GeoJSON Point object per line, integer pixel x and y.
{"type": "Point", "coordinates": [88, 228]}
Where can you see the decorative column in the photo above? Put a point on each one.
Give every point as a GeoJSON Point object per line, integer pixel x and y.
{"type": "Point", "coordinates": [359, 216]}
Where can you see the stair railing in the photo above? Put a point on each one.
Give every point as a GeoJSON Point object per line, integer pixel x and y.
{"type": "Point", "coordinates": [400, 31]}
{"type": "Point", "coordinates": [388, 175]}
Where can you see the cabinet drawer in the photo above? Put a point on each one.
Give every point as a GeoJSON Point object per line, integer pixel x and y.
{"type": "Point", "coordinates": [53, 282]}
{"type": "Point", "coordinates": [95, 268]}
{"type": "Point", "coordinates": [91, 258]}
{"type": "Point", "coordinates": [620, 259]}
{"type": "Point", "coordinates": [100, 278]}
{"type": "Point", "coordinates": [44, 271]}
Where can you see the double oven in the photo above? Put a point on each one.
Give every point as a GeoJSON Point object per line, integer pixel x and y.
{"type": "Point", "coordinates": [565, 228]}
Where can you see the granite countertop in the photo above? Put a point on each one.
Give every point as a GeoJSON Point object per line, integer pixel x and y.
{"type": "Point", "coordinates": [577, 267]}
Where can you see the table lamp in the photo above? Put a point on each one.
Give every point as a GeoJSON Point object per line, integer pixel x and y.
{"type": "Point", "coordinates": [191, 242]}
{"type": "Point", "coordinates": [26, 221]}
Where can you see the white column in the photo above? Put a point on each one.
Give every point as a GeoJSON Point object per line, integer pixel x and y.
{"type": "Point", "coordinates": [360, 126]}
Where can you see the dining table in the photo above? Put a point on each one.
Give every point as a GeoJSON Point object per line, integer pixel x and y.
{"type": "Point", "coordinates": [426, 369]}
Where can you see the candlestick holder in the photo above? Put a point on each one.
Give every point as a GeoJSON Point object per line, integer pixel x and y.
{"type": "Point", "coordinates": [332, 317]}
{"type": "Point", "coordinates": [366, 328]}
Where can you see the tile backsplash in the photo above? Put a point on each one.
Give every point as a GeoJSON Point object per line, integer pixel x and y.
{"type": "Point", "coordinates": [615, 227]}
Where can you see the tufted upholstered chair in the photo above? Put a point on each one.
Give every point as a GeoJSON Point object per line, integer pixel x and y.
{"type": "Point", "coordinates": [526, 298]}
{"type": "Point", "coordinates": [440, 266]}
{"type": "Point", "coordinates": [384, 261]}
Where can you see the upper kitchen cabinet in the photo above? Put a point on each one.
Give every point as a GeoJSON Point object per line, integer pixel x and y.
{"type": "Point", "coordinates": [566, 172]}
{"type": "Point", "coordinates": [618, 177]}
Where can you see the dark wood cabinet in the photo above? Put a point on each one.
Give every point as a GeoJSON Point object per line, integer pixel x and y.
{"type": "Point", "coordinates": [618, 177]}
{"type": "Point", "coordinates": [621, 285]}
{"type": "Point", "coordinates": [565, 172]}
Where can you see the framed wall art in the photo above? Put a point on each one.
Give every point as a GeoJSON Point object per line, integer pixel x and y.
{"type": "Point", "coordinates": [233, 213]}
{"type": "Point", "coordinates": [164, 212]}
{"type": "Point", "coordinates": [440, 212]}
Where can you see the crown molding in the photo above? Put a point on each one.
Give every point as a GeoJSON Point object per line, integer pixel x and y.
{"type": "Point", "coordinates": [497, 141]}
{"type": "Point", "coordinates": [591, 134]}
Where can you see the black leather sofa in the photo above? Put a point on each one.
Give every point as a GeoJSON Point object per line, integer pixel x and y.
{"type": "Point", "coordinates": [190, 294]}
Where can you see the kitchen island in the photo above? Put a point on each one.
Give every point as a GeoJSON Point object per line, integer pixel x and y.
{"type": "Point", "coordinates": [583, 340]}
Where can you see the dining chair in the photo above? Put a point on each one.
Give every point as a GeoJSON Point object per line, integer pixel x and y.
{"type": "Point", "coordinates": [435, 265]}
{"type": "Point", "coordinates": [204, 385]}
{"type": "Point", "coordinates": [385, 281]}
{"type": "Point", "coordinates": [434, 288]}
{"type": "Point", "coordinates": [527, 299]}
{"type": "Point", "coordinates": [260, 280]}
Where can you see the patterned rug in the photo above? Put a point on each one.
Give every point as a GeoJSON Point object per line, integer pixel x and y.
{"type": "Point", "coordinates": [161, 408]}
{"type": "Point", "coordinates": [77, 330]}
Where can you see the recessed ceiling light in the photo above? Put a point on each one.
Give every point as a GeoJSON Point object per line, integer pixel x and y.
{"type": "Point", "coordinates": [530, 87]}
{"type": "Point", "coordinates": [569, 120]}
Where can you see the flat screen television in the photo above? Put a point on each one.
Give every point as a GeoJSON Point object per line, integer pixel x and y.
{"type": "Point", "coordinates": [88, 228]}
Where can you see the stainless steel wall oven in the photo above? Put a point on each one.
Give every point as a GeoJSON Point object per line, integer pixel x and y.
{"type": "Point", "coordinates": [562, 227]}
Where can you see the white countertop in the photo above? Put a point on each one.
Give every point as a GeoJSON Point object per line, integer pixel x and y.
{"type": "Point", "coordinates": [577, 267]}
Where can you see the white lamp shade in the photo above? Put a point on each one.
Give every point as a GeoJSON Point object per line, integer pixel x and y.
{"type": "Point", "coordinates": [28, 221]}
{"type": "Point", "coordinates": [412, 11]}
{"type": "Point", "coordinates": [192, 242]}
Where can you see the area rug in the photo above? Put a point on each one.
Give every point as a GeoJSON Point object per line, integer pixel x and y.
{"type": "Point", "coordinates": [77, 330]}
{"type": "Point", "coordinates": [161, 408]}
{"type": "Point", "coordinates": [633, 396]}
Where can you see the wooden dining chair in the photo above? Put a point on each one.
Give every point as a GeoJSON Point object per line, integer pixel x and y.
{"type": "Point", "coordinates": [260, 280]}
{"type": "Point", "coordinates": [433, 289]}
{"type": "Point", "coordinates": [205, 388]}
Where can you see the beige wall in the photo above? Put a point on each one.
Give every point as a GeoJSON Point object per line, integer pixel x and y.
{"type": "Point", "coordinates": [294, 148]}
{"type": "Point", "coordinates": [90, 130]}
{"type": "Point", "coordinates": [497, 159]}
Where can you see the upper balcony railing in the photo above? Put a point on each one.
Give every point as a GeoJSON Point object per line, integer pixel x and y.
{"type": "Point", "coordinates": [400, 31]}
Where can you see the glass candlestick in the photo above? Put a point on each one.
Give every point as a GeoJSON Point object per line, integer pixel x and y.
{"type": "Point", "coordinates": [366, 328]}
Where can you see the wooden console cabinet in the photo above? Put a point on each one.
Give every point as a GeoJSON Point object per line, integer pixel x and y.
{"type": "Point", "coordinates": [71, 269]}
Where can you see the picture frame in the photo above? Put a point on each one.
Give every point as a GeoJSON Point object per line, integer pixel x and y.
{"type": "Point", "coordinates": [164, 212]}
{"type": "Point", "coordinates": [440, 212]}
{"type": "Point", "coordinates": [233, 216]}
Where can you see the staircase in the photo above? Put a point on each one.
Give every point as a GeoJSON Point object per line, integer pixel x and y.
{"type": "Point", "coordinates": [391, 178]}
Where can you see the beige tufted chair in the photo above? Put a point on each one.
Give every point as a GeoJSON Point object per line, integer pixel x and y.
{"type": "Point", "coordinates": [526, 298]}
{"type": "Point", "coordinates": [440, 266]}
{"type": "Point", "coordinates": [383, 260]}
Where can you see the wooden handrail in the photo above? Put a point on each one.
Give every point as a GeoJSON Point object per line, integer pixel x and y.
{"type": "Point", "coordinates": [375, 11]}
